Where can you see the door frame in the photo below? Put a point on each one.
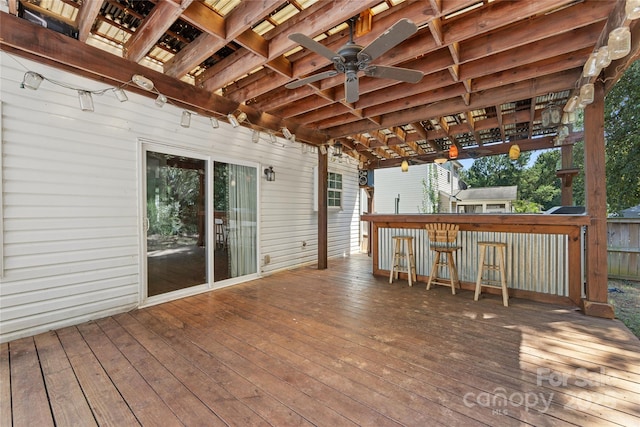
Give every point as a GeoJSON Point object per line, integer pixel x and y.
{"type": "Point", "coordinates": [159, 147]}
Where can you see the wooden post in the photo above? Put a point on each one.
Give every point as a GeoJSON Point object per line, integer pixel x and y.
{"type": "Point", "coordinates": [595, 303]}
{"type": "Point", "coordinates": [567, 187]}
{"type": "Point", "coordinates": [323, 175]}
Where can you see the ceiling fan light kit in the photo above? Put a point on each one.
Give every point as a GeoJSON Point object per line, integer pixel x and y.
{"type": "Point", "coordinates": [352, 58]}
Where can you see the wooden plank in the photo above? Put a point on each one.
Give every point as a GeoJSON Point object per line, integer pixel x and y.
{"type": "Point", "coordinates": [5, 386]}
{"type": "Point", "coordinates": [319, 403]}
{"type": "Point", "coordinates": [147, 406]}
{"type": "Point", "coordinates": [68, 403]}
{"type": "Point", "coordinates": [341, 347]}
{"type": "Point", "coordinates": [107, 404]}
{"type": "Point", "coordinates": [195, 368]}
{"type": "Point", "coordinates": [29, 398]}
{"type": "Point", "coordinates": [188, 408]}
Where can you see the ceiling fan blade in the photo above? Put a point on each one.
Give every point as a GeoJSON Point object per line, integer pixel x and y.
{"type": "Point", "coordinates": [311, 79]}
{"type": "Point", "coordinates": [395, 35]}
{"type": "Point", "coordinates": [313, 45]}
{"type": "Point", "coordinates": [396, 73]}
{"type": "Point", "coordinates": [352, 93]}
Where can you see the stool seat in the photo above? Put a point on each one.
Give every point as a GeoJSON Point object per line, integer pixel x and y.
{"type": "Point", "coordinates": [409, 265]}
{"type": "Point", "coordinates": [498, 266]}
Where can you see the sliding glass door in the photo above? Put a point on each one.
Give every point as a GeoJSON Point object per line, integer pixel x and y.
{"type": "Point", "coordinates": [176, 212]}
{"type": "Point", "coordinates": [200, 229]}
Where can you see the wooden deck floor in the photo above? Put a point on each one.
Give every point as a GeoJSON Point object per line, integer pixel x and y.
{"type": "Point", "coordinates": [327, 348]}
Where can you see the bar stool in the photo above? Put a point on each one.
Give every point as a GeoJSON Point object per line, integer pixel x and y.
{"type": "Point", "coordinates": [397, 266]}
{"type": "Point", "coordinates": [498, 265]}
{"type": "Point", "coordinates": [442, 238]}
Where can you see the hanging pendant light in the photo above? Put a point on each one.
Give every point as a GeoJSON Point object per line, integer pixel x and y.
{"type": "Point", "coordinates": [453, 152]}
{"type": "Point", "coordinates": [404, 167]}
{"type": "Point", "coordinates": [514, 152]}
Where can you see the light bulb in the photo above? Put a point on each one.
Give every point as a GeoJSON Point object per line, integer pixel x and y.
{"type": "Point", "coordinates": [619, 43]}
{"type": "Point", "coordinates": [632, 9]}
{"type": "Point", "coordinates": [586, 94]}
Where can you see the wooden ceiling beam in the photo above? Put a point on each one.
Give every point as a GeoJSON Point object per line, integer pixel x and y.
{"type": "Point", "coordinates": [522, 90]}
{"type": "Point", "coordinates": [535, 29]}
{"type": "Point", "coordinates": [157, 22]}
{"type": "Point", "coordinates": [496, 15]}
{"type": "Point", "coordinates": [86, 17]}
{"type": "Point", "coordinates": [201, 16]}
{"type": "Point", "coordinates": [192, 55]}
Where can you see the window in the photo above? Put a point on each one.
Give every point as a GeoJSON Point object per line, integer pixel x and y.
{"type": "Point", "coordinates": [334, 190]}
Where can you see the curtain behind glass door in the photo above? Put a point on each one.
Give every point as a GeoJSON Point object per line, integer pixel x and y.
{"type": "Point", "coordinates": [235, 201]}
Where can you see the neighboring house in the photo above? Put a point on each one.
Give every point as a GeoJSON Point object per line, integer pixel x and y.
{"type": "Point", "coordinates": [486, 199]}
{"type": "Point", "coordinates": [80, 190]}
{"type": "Point", "coordinates": [404, 193]}
{"type": "Point", "coordinates": [633, 212]}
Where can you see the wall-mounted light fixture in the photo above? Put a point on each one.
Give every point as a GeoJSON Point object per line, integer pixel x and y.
{"type": "Point", "coordinates": [86, 101]}
{"type": "Point", "coordinates": [31, 80]}
{"type": "Point", "coordinates": [270, 174]}
{"type": "Point", "coordinates": [337, 149]}
{"type": "Point", "coordinates": [404, 167]}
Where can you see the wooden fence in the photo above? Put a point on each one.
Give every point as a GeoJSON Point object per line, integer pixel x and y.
{"type": "Point", "coordinates": [623, 248]}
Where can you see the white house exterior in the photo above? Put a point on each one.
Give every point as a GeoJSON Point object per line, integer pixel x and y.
{"type": "Point", "coordinates": [72, 237]}
{"type": "Point", "coordinates": [487, 199]}
{"type": "Point", "coordinates": [392, 184]}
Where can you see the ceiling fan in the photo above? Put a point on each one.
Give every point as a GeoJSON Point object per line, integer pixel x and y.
{"type": "Point", "coordinates": [352, 58]}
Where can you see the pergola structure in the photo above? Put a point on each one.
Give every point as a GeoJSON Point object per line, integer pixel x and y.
{"type": "Point", "coordinates": [491, 69]}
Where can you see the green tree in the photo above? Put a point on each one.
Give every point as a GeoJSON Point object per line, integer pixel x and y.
{"type": "Point", "coordinates": [622, 138]}
{"type": "Point", "coordinates": [430, 195]}
{"type": "Point", "coordinates": [495, 171]}
{"type": "Point", "coordinates": [540, 185]}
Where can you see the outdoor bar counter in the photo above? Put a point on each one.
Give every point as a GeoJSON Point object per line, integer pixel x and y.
{"type": "Point", "coordinates": [544, 252]}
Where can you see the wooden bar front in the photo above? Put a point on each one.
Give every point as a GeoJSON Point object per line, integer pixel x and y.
{"type": "Point", "coordinates": [569, 225]}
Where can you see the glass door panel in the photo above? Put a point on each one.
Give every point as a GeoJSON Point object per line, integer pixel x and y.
{"type": "Point", "coordinates": [176, 213]}
{"type": "Point", "coordinates": [236, 203]}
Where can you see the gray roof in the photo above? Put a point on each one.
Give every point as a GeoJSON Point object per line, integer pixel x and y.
{"type": "Point", "coordinates": [489, 193]}
{"type": "Point", "coordinates": [633, 212]}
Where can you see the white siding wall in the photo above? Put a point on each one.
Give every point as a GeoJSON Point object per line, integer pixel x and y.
{"type": "Point", "coordinates": [390, 182]}
{"type": "Point", "coordinates": [71, 225]}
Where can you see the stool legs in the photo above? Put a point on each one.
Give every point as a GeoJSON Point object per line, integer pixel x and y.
{"type": "Point", "coordinates": [434, 270]}
{"type": "Point", "coordinates": [395, 260]}
{"type": "Point", "coordinates": [453, 271]}
{"type": "Point", "coordinates": [500, 267]}
{"type": "Point", "coordinates": [408, 255]}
